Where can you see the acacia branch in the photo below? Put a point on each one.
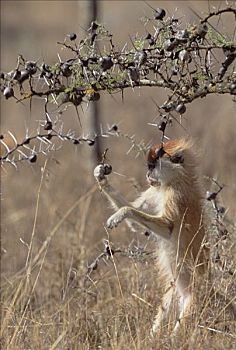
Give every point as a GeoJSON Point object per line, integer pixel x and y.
{"type": "Point", "coordinates": [218, 13]}
{"type": "Point", "coordinates": [184, 60]}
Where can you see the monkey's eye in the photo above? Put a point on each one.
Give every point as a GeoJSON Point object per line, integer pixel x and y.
{"type": "Point", "coordinates": [177, 159]}
{"type": "Point", "coordinates": [160, 152]}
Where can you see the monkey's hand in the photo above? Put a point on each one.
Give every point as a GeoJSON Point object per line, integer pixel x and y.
{"type": "Point", "coordinates": [117, 217]}
{"type": "Point", "coordinates": [101, 171]}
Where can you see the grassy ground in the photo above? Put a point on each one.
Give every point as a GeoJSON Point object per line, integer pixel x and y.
{"type": "Point", "coordinates": [69, 293]}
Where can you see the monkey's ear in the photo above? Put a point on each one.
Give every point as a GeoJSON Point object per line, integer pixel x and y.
{"type": "Point", "coordinates": [177, 158]}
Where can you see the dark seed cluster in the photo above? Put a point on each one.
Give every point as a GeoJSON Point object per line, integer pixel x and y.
{"type": "Point", "coordinates": [184, 59]}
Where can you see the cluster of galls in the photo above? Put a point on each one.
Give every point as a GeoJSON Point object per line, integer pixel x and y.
{"type": "Point", "coordinates": [53, 76]}
{"type": "Point", "coordinates": [176, 48]}
{"type": "Point", "coordinates": [17, 75]}
{"type": "Point", "coordinates": [177, 106]}
{"type": "Point", "coordinates": [182, 42]}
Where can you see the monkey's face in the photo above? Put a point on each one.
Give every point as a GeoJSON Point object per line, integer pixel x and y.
{"type": "Point", "coordinates": [165, 163]}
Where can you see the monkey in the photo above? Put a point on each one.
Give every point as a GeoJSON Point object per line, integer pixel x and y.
{"type": "Point", "coordinates": [172, 210]}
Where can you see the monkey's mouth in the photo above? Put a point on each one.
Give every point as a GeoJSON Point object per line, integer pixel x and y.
{"type": "Point", "coordinates": [151, 181]}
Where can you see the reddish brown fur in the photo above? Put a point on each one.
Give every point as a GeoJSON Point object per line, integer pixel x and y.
{"type": "Point", "coordinates": [169, 147]}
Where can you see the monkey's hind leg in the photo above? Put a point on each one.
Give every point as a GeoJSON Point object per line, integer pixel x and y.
{"type": "Point", "coordinates": [185, 296]}
{"type": "Point", "coordinates": [163, 310]}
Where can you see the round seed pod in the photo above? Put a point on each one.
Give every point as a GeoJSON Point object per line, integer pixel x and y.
{"type": "Point", "coordinates": [8, 92]}
{"type": "Point", "coordinates": [174, 70]}
{"type": "Point", "coordinates": [170, 55]}
{"type": "Point", "coordinates": [24, 75]}
{"type": "Point", "coordinates": [2, 75]}
{"type": "Point", "coordinates": [134, 74]}
{"type": "Point", "coordinates": [170, 44]}
{"type": "Point", "coordinates": [221, 210]}
{"type": "Point", "coordinates": [94, 26]}
{"type": "Point", "coordinates": [148, 36]}
{"type": "Point", "coordinates": [114, 127]}
{"type": "Point", "coordinates": [16, 75]}
{"type": "Point", "coordinates": [227, 49]}
{"type": "Point", "coordinates": [90, 142]}
{"type": "Point", "coordinates": [93, 59]}
{"type": "Point", "coordinates": [65, 70]}
{"type": "Point", "coordinates": [49, 75]}
{"type": "Point", "coordinates": [160, 13]}
{"type": "Point", "coordinates": [49, 136]}
{"type": "Point", "coordinates": [182, 35]}
{"type": "Point", "coordinates": [233, 89]}
{"type": "Point", "coordinates": [33, 158]}
{"type": "Point", "coordinates": [211, 195]}
{"type": "Point", "coordinates": [162, 125]}
{"type": "Point", "coordinates": [48, 125]}
{"type": "Point", "coordinates": [45, 67]}
{"type": "Point", "coordinates": [168, 108]}
{"type": "Point", "coordinates": [94, 96]}
{"type": "Point", "coordinates": [84, 62]}
{"type": "Point", "coordinates": [76, 99]}
{"type": "Point", "coordinates": [106, 63]}
{"type": "Point", "coordinates": [202, 30]}
{"type": "Point", "coordinates": [184, 56]}
{"type": "Point", "coordinates": [107, 169]}
{"type": "Point", "coordinates": [31, 67]}
{"type": "Point", "coordinates": [140, 57]}
{"type": "Point", "coordinates": [151, 41]}
{"type": "Point", "coordinates": [72, 36]}
{"type": "Point", "coordinates": [27, 141]}
{"type": "Point", "coordinates": [184, 89]}
{"type": "Point", "coordinates": [181, 108]}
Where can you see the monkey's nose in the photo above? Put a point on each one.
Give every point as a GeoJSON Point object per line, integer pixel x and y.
{"type": "Point", "coordinates": [148, 174]}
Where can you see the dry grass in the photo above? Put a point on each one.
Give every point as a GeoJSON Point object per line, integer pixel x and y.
{"type": "Point", "coordinates": [56, 302]}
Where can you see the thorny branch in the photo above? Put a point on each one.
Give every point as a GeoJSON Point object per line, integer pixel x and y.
{"type": "Point", "coordinates": [43, 142]}
{"type": "Point", "coordinates": [189, 61]}
{"type": "Point", "coordinates": [221, 229]}
{"type": "Point", "coordinates": [133, 251]}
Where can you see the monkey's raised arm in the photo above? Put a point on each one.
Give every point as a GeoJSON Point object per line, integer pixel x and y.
{"type": "Point", "coordinates": [159, 226]}
{"type": "Point", "coordinates": [115, 198]}
{"type": "Point", "coordinates": [155, 224]}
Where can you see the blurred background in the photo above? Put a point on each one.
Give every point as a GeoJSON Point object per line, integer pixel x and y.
{"type": "Point", "coordinates": [33, 28]}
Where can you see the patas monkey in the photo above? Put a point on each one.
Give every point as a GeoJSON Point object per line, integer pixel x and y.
{"type": "Point", "coordinates": [171, 208]}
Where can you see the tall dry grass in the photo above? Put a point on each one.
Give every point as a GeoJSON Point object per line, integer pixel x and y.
{"type": "Point", "coordinates": [71, 294]}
